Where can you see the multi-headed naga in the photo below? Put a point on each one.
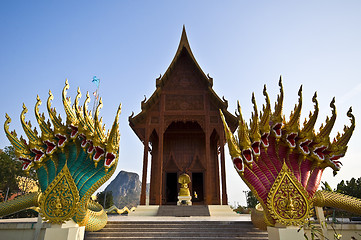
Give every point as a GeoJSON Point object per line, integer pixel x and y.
{"type": "Point", "coordinates": [72, 160]}
{"type": "Point", "coordinates": [282, 164]}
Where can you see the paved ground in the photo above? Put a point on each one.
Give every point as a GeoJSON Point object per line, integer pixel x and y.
{"type": "Point", "coordinates": [242, 218]}
{"type": "Point", "coordinates": [19, 220]}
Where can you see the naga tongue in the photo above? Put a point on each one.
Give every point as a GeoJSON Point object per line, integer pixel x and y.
{"type": "Point", "coordinates": [74, 131]}
{"type": "Point", "coordinates": [98, 153]}
{"type": "Point", "coordinates": [62, 140]}
{"type": "Point", "coordinates": [264, 139]}
{"type": "Point", "coordinates": [304, 146]}
{"type": "Point", "coordinates": [247, 154]}
{"type": "Point", "coordinates": [277, 129]}
{"type": "Point", "coordinates": [238, 164]}
{"type": "Point", "coordinates": [291, 138]}
{"type": "Point", "coordinates": [38, 154]}
{"type": "Point", "coordinates": [50, 146]}
{"type": "Point", "coordinates": [319, 152]}
{"type": "Point", "coordinates": [109, 159]}
{"type": "Point", "coordinates": [26, 163]}
{"type": "Point", "coordinates": [255, 148]}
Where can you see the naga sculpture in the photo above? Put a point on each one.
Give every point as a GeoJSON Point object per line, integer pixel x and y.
{"type": "Point", "coordinates": [72, 161]}
{"type": "Point", "coordinates": [282, 164]}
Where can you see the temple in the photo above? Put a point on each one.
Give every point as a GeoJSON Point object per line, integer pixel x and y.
{"type": "Point", "coordinates": [180, 127]}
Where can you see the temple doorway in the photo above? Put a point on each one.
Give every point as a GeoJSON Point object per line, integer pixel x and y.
{"type": "Point", "coordinates": [197, 188]}
{"type": "Point", "coordinates": [171, 188]}
{"type": "Point", "coordinates": [184, 151]}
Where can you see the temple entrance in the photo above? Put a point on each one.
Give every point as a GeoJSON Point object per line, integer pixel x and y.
{"type": "Point", "coordinates": [171, 188]}
{"type": "Point", "coordinates": [184, 151]}
{"type": "Point", "coordinates": [197, 188]}
{"type": "Point", "coordinates": [181, 130]}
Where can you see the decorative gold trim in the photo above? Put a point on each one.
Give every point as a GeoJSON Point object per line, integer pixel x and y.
{"type": "Point", "coordinates": [288, 202]}
{"type": "Point", "coordinates": [60, 200]}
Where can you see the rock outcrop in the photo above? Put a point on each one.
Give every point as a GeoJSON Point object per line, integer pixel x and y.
{"type": "Point", "coordinates": [126, 189]}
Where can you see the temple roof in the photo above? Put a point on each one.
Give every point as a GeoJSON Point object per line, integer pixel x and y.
{"type": "Point", "coordinates": [161, 81]}
{"type": "Point", "coordinates": [183, 44]}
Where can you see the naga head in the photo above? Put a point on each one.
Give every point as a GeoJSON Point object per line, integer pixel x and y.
{"type": "Point", "coordinates": [254, 132]}
{"type": "Point", "coordinates": [36, 146]}
{"type": "Point", "coordinates": [307, 134]}
{"type": "Point", "coordinates": [338, 147]}
{"type": "Point", "coordinates": [277, 119]}
{"type": "Point", "coordinates": [321, 141]}
{"type": "Point", "coordinates": [264, 125]}
{"type": "Point", "coordinates": [75, 157]}
{"type": "Point", "coordinates": [22, 150]}
{"type": "Point", "coordinates": [112, 146]}
{"type": "Point", "coordinates": [285, 170]}
{"type": "Point", "coordinates": [292, 128]}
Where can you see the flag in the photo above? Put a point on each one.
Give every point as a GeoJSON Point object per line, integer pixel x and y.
{"type": "Point", "coordinates": [96, 81]}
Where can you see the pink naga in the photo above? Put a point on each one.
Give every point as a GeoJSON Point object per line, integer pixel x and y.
{"type": "Point", "coordinates": [282, 164]}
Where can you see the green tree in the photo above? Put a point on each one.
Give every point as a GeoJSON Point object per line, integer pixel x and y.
{"type": "Point", "coordinates": [10, 173]}
{"type": "Point", "coordinates": [351, 188]}
{"type": "Point", "coordinates": [251, 200]}
{"type": "Point", "coordinates": [326, 187]}
{"type": "Point", "coordinates": [9, 170]}
{"type": "Point", "coordinates": [108, 200]}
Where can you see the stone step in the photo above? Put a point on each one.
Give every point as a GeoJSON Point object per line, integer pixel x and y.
{"type": "Point", "coordinates": [183, 211]}
{"type": "Point", "coordinates": [188, 221]}
{"type": "Point", "coordinates": [180, 224]}
{"type": "Point", "coordinates": [157, 235]}
{"type": "Point", "coordinates": [179, 237]}
{"type": "Point", "coordinates": [177, 230]}
{"type": "Point", "coordinates": [156, 232]}
{"type": "Point", "coordinates": [174, 229]}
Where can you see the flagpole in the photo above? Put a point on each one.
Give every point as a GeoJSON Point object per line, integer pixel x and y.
{"type": "Point", "coordinates": [96, 96]}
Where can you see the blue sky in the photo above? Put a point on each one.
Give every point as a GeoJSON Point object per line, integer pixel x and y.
{"type": "Point", "coordinates": [127, 44]}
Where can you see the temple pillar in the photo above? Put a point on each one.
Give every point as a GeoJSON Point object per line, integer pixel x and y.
{"type": "Point", "coordinates": [208, 200]}
{"type": "Point", "coordinates": [160, 169]}
{"type": "Point", "coordinates": [223, 175]}
{"type": "Point", "coordinates": [145, 170]}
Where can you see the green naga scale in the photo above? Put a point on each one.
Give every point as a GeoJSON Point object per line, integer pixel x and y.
{"type": "Point", "coordinates": [72, 160]}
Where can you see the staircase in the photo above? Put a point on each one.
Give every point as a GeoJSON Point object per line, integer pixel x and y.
{"type": "Point", "coordinates": [177, 230]}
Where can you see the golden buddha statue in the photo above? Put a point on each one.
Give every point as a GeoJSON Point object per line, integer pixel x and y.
{"type": "Point", "coordinates": [184, 196]}
{"type": "Point", "coordinates": [184, 179]}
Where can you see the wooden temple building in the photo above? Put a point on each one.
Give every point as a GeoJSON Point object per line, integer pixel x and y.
{"type": "Point", "coordinates": [181, 128]}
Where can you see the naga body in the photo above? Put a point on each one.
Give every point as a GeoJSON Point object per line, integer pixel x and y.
{"type": "Point", "coordinates": [72, 160]}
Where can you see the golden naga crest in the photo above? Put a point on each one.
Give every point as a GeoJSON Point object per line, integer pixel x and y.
{"type": "Point", "coordinates": [72, 159]}
{"type": "Point", "coordinates": [281, 162]}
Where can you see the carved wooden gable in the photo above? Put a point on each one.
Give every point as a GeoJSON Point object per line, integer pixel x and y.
{"type": "Point", "coordinates": [185, 75]}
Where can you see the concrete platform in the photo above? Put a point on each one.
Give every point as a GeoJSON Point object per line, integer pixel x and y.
{"type": "Point", "coordinates": [184, 211]}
